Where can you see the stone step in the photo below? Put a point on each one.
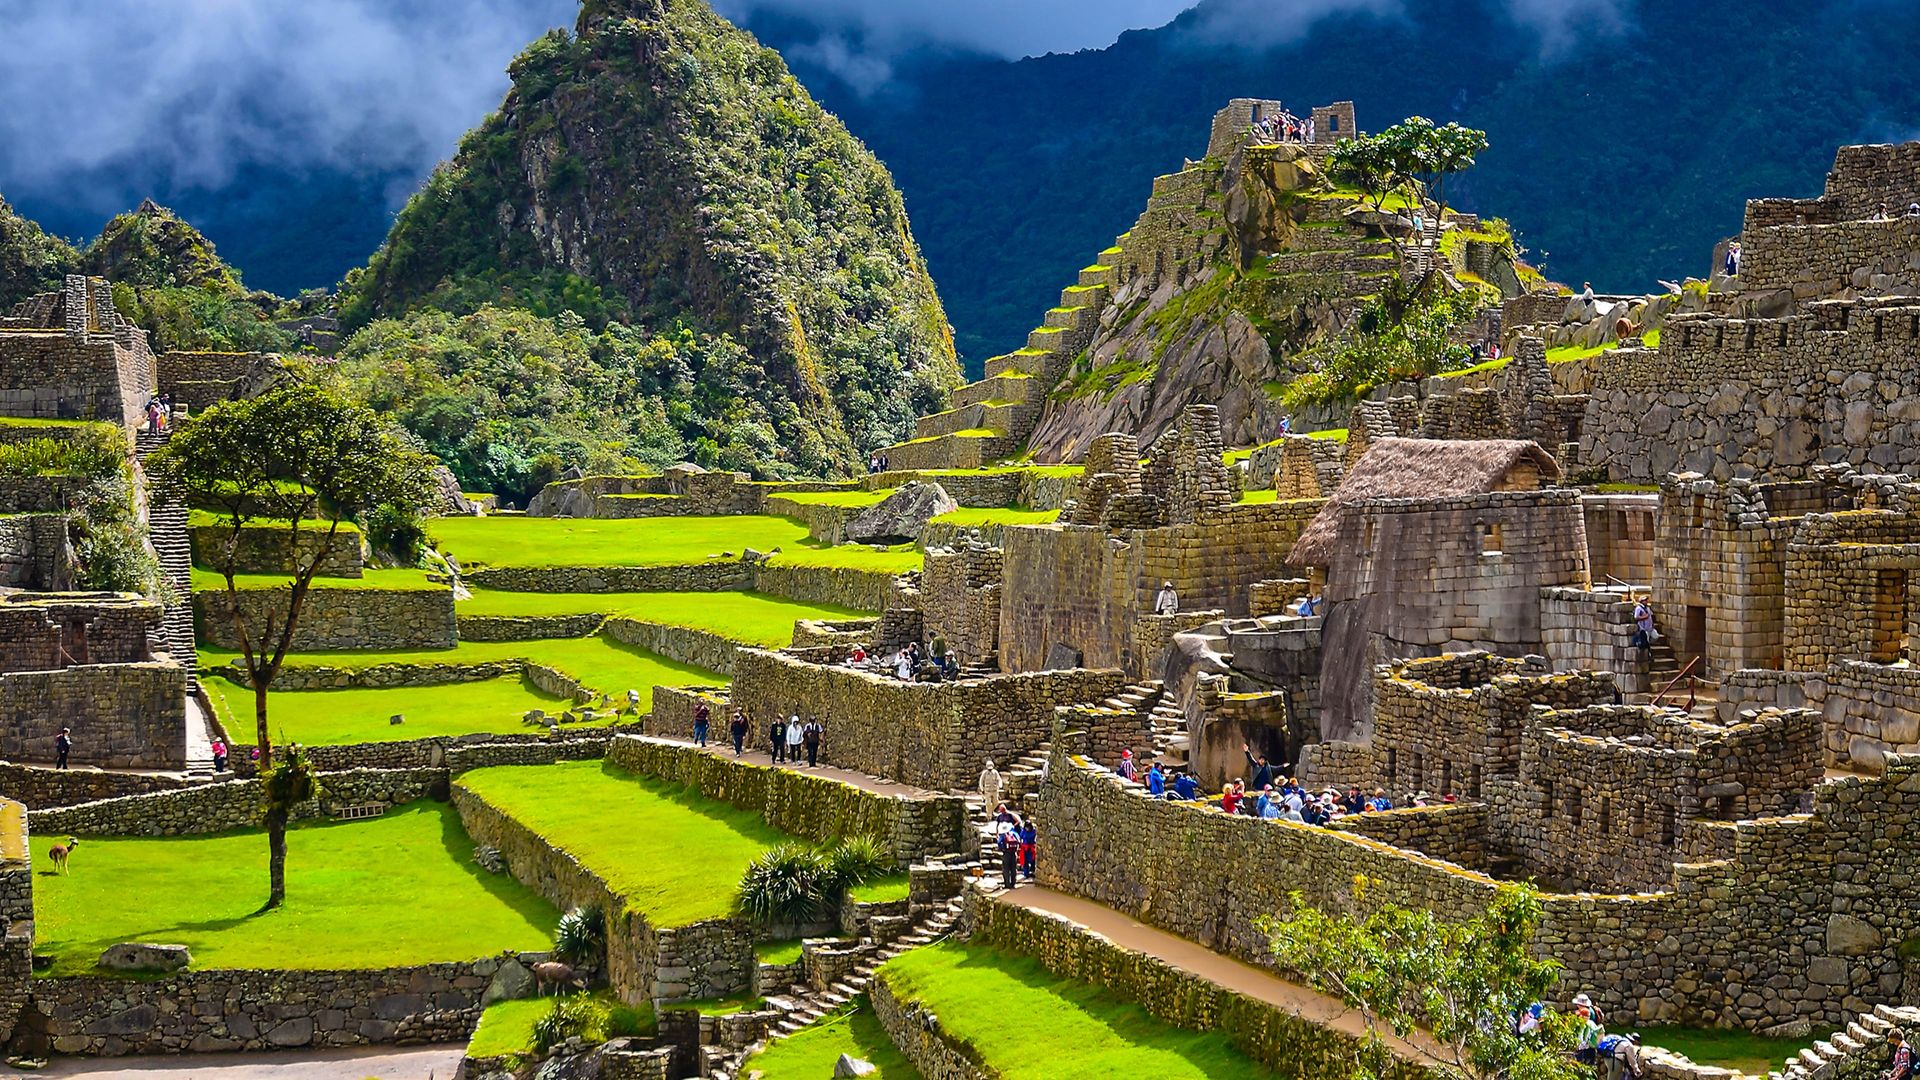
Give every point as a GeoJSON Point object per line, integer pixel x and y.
{"type": "Point", "coordinates": [1050, 339]}
{"type": "Point", "coordinates": [1095, 275]}
{"type": "Point", "coordinates": [1067, 318]}
{"type": "Point", "coordinates": [1092, 297]}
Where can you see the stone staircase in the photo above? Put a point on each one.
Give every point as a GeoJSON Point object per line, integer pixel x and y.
{"type": "Point", "coordinates": [167, 532]}
{"type": "Point", "coordinates": [804, 1004]}
{"type": "Point", "coordinates": [1858, 1050]}
{"type": "Point", "coordinates": [991, 419]}
{"type": "Point", "coordinates": [1171, 740]}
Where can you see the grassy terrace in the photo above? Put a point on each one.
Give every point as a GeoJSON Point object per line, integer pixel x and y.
{"type": "Point", "coordinates": [205, 580]}
{"type": "Point", "coordinates": [1739, 1050]}
{"type": "Point", "coordinates": [506, 1027]}
{"type": "Point", "coordinates": [600, 663]}
{"type": "Point", "coordinates": [1017, 1015]}
{"type": "Point", "coordinates": [339, 717]}
{"type": "Point", "coordinates": [968, 516]}
{"type": "Point", "coordinates": [574, 806]}
{"type": "Point", "coordinates": [1232, 457]}
{"type": "Point", "coordinates": [668, 541]}
{"type": "Point", "coordinates": [1561, 355]}
{"type": "Point", "coordinates": [1000, 470]}
{"type": "Point", "coordinates": [746, 617]}
{"type": "Point", "coordinates": [836, 498]}
{"type": "Point", "coordinates": [342, 911]}
{"type": "Point", "coordinates": [811, 1052]}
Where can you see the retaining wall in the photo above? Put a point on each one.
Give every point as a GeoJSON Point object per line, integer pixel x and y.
{"type": "Point", "coordinates": [337, 618]}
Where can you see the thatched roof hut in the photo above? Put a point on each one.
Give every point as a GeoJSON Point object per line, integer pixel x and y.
{"type": "Point", "coordinates": [1423, 469]}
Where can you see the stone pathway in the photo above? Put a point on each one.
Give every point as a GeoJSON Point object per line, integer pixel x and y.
{"type": "Point", "coordinates": [381, 1063]}
{"type": "Point", "coordinates": [1224, 971]}
{"type": "Point", "coordinates": [723, 748]}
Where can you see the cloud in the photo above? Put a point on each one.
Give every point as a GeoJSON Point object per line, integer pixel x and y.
{"type": "Point", "coordinates": [1263, 24]}
{"type": "Point", "coordinates": [114, 93]}
{"type": "Point", "coordinates": [1562, 24]}
{"type": "Point", "coordinates": [1005, 28]}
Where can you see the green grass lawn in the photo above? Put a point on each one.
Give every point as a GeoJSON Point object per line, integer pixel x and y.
{"type": "Point", "coordinates": [506, 1027]}
{"type": "Point", "coordinates": [1260, 495]}
{"type": "Point", "coordinates": [600, 663]}
{"type": "Point", "coordinates": [398, 889]}
{"type": "Point", "coordinates": [881, 890]}
{"type": "Point", "coordinates": [810, 1053]}
{"type": "Point", "coordinates": [1740, 1050]}
{"type": "Point", "coordinates": [746, 617]}
{"type": "Point", "coordinates": [205, 580]}
{"type": "Point", "coordinates": [778, 952]}
{"type": "Point", "coordinates": [836, 498]}
{"type": "Point", "coordinates": [996, 470]}
{"type": "Point", "coordinates": [672, 855]}
{"type": "Point", "coordinates": [970, 516]}
{"type": "Point", "coordinates": [664, 541]}
{"type": "Point", "coordinates": [337, 717]}
{"type": "Point", "coordinates": [723, 1006]}
{"type": "Point", "coordinates": [1018, 1016]}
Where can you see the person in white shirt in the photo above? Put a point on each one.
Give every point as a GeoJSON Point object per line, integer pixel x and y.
{"type": "Point", "coordinates": [795, 736]}
{"type": "Point", "coordinates": [1168, 602]}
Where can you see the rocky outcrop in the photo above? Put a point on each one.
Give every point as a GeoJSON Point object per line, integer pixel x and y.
{"type": "Point", "coordinates": [899, 517]}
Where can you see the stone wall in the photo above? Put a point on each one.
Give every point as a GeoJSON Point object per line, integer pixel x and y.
{"type": "Point", "coordinates": [960, 594]}
{"type": "Point", "coordinates": [337, 618]}
{"type": "Point", "coordinates": [932, 735]}
{"type": "Point", "coordinates": [935, 1054]}
{"type": "Point", "coordinates": [16, 916]}
{"type": "Point", "coordinates": [201, 1011]}
{"type": "Point", "coordinates": [40, 632]}
{"type": "Point", "coordinates": [200, 380]}
{"type": "Point", "coordinates": [43, 787]}
{"type": "Point", "coordinates": [41, 494]}
{"type": "Point", "coordinates": [1456, 833]}
{"type": "Point", "coordinates": [1620, 536]}
{"type": "Point", "coordinates": [264, 549]}
{"type": "Point", "coordinates": [123, 716]}
{"type": "Point", "coordinates": [1589, 630]}
{"type": "Point", "coordinates": [230, 804]}
{"type": "Point", "coordinates": [711, 576]}
{"type": "Point", "coordinates": [88, 363]}
{"type": "Point", "coordinates": [700, 648]}
{"type": "Point", "coordinates": [1083, 588]}
{"type": "Point", "coordinates": [35, 552]}
{"type": "Point", "coordinates": [814, 807]}
{"type": "Point", "coordinates": [840, 586]}
{"type": "Point", "coordinates": [526, 627]}
{"type": "Point", "coordinates": [1848, 590]}
{"type": "Point", "coordinates": [1867, 710]}
{"type": "Point", "coordinates": [1801, 924]}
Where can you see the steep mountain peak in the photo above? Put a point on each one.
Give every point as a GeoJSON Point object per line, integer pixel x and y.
{"type": "Point", "coordinates": [153, 246]}
{"type": "Point", "coordinates": [660, 167]}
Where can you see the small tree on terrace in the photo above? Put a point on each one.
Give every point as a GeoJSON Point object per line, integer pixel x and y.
{"type": "Point", "coordinates": [1461, 985]}
{"type": "Point", "coordinates": [1370, 164]}
{"type": "Point", "coordinates": [1432, 152]}
{"type": "Point", "coordinates": [305, 459]}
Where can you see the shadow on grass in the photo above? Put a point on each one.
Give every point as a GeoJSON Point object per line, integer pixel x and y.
{"type": "Point", "coordinates": [502, 887]}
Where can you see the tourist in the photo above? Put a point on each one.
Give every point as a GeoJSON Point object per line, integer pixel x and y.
{"type": "Point", "coordinates": [796, 738]}
{"type": "Point", "coordinates": [1902, 1066]}
{"type": "Point", "coordinates": [738, 729]}
{"type": "Point", "coordinates": [702, 714]}
{"type": "Point", "coordinates": [777, 740]}
{"type": "Point", "coordinates": [1265, 806]}
{"type": "Point", "coordinates": [1354, 802]}
{"type": "Point", "coordinates": [1168, 602]}
{"type": "Point", "coordinates": [1644, 635]}
{"type": "Point", "coordinates": [1185, 787]}
{"type": "Point", "coordinates": [1379, 800]}
{"type": "Point", "coordinates": [1262, 772]}
{"type": "Point", "coordinates": [1622, 1055]}
{"type": "Point", "coordinates": [1586, 1048]}
{"type": "Point", "coordinates": [1009, 841]}
{"type": "Point", "coordinates": [989, 785]}
{"type": "Point", "coordinates": [1231, 795]}
{"type": "Point", "coordinates": [1126, 767]}
{"type": "Point", "coordinates": [812, 735]}
{"type": "Point", "coordinates": [1307, 607]}
{"type": "Point", "coordinates": [903, 665]}
{"type": "Point", "coordinates": [1419, 225]}
{"type": "Point", "coordinates": [859, 655]}
{"type": "Point", "coordinates": [633, 701]}
{"type": "Point", "coordinates": [62, 746]}
{"type": "Point", "coordinates": [219, 749]}
{"type": "Point", "coordinates": [1880, 213]}
{"type": "Point", "coordinates": [1156, 781]}
{"type": "Point", "coordinates": [1315, 813]}
{"type": "Point", "coordinates": [1586, 292]}
{"type": "Point", "coordinates": [1913, 209]}
{"type": "Point", "coordinates": [1028, 835]}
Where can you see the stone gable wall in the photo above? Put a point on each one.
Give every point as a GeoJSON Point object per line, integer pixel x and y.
{"type": "Point", "coordinates": [931, 735]}
{"type": "Point", "coordinates": [265, 550]}
{"type": "Point", "coordinates": [1848, 590]}
{"type": "Point", "coordinates": [338, 618]}
{"type": "Point", "coordinates": [1801, 923]}
{"type": "Point", "coordinates": [124, 716]}
{"type": "Point", "coordinates": [35, 553]}
{"type": "Point", "coordinates": [43, 633]}
{"type": "Point", "coordinates": [814, 807]}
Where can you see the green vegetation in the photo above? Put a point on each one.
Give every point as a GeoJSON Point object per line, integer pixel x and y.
{"type": "Point", "coordinates": [601, 663]}
{"type": "Point", "coordinates": [1742, 1051]}
{"type": "Point", "coordinates": [836, 498]}
{"type": "Point", "coordinates": [1017, 1015]}
{"type": "Point", "coordinates": [723, 1006]}
{"type": "Point", "coordinates": [794, 883]}
{"type": "Point", "coordinates": [339, 717]}
{"type": "Point", "coordinates": [644, 860]}
{"type": "Point", "coordinates": [31, 260]}
{"type": "Point", "coordinates": [778, 952]}
{"type": "Point", "coordinates": [813, 335]}
{"type": "Point", "coordinates": [970, 516]}
{"type": "Point", "coordinates": [667, 541]}
{"type": "Point", "coordinates": [1259, 495]}
{"type": "Point", "coordinates": [1397, 337]}
{"type": "Point", "coordinates": [880, 890]}
{"type": "Point", "coordinates": [341, 912]}
{"type": "Point", "coordinates": [811, 1052]}
{"type": "Point", "coordinates": [508, 1028]}
{"type": "Point", "coordinates": [93, 452]}
{"type": "Point", "coordinates": [998, 470]}
{"type": "Point", "coordinates": [746, 617]}
{"type": "Point", "coordinates": [169, 281]}
{"type": "Point", "coordinates": [371, 578]}
{"type": "Point", "coordinates": [1463, 983]}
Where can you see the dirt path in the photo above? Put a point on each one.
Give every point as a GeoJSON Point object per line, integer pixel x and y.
{"type": "Point", "coordinates": [1224, 971]}
{"type": "Point", "coordinates": [721, 747]}
{"type": "Point", "coordinates": [383, 1063]}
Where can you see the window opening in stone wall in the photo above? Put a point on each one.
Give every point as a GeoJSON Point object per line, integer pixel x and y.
{"type": "Point", "coordinates": [1693, 635]}
{"type": "Point", "coordinates": [1446, 778]}
{"type": "Point", "coordinates": [1668, 833]}
{"type": "Point", "coordinates": [1546, 799]}
{"type": "Point", "coordinates": [1393, 767]}
{"type": "Point", "coordinates": [1606, 815]}
{"type": "Point", "coordinates": [1473, 779]}
{"type": "Point", "coordinates": [1490, 538]}
{"type": "Point", "coordinates": [1419, 772]}
{"type": "Point", "coordinates": [1366, 537]}
{"type": "Point", "coordinates": [1726, 808]}
{"type": "Point", "coordinates": [1889, 616]}
{"type": "Point", "coordinates": [1333, 123]}
{"type": "Point", "coordinates": [1573, 807]}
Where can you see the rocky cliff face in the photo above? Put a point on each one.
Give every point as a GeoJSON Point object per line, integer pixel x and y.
{"type": "Point", "coordinates": [1237, 269]}
{"type": "Point", "coordinates": [660, 167]}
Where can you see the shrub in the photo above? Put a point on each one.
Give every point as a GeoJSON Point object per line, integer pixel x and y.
{"type": "Point", "coordinates": [397, 532]}
{"type": "Point", "coordinates": [580, 934]}
{"type": "Point", "coordinates": [786, 884]}
{"type": "Point", "coordinates": [571, 1016]}
{"type": "Point", "coordinates": [856, 860]}
{"type": "Point", "coordinates": [95, 451]}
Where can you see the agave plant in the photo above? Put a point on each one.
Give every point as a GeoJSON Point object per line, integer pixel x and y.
{"type": "Point", "coordinates": [787, 884]}
{"type": "Point", "coordinates": [570, 1016]}
{"type": "Point", "coordinates": [580, 934]}
{"type": "Point", "coordinates": [855, 860]}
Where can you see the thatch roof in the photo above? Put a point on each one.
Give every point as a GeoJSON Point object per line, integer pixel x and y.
{"type": "Point", "coordinates": [1416, 469]}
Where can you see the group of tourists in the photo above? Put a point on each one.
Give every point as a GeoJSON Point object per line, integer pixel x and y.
{"type": "Point", "coordinates": [1732, 265]}
{"type": "Point", "coordinates": [1594, 1045]}
{"type": "Point", "coordinates": [1014, 836]}
{"type": "Point", "coordinates": [1284, 127]}
{"type": "Point", "coordinates": [912, 662]}
{"type": "Point", "coordinates": [1269, 795]}
{"type": "Point", "coordinates": [787, 740]}
{"type": "Point", "coordinates": [877, 461]}
{"type": "Point", "coordinates": [159, 412]}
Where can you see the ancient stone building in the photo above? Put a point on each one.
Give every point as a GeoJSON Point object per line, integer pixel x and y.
{"type": "Point", "coordinates": [1434, 546]}
{"type": "Point", "coordinates": [71, 355]}
{"type": "Point", "coordinates": [85, 661]}
{"type": "Point", "coordinates": [960, 597]}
